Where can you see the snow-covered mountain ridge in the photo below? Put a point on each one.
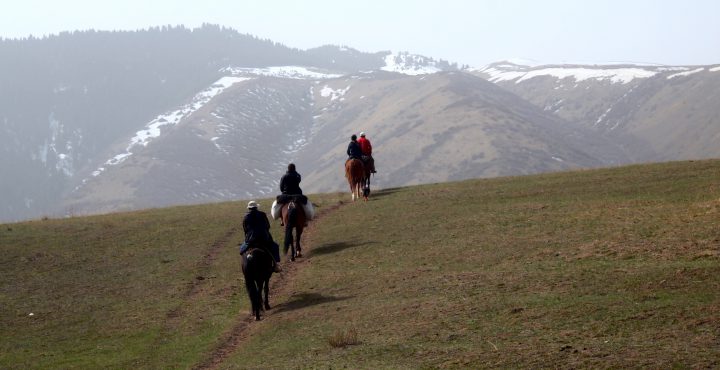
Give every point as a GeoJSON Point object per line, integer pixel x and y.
{"type": "Point", "coordinates": [614, 73]}
{"type": "Point", "coordinates": [671, 109]}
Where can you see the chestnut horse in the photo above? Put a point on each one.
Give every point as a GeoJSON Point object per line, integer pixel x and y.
{"type": "Point", "coordinates": [293, 216]}
{"type": "Point", "coordinates": [355, 174]}
{"type": "Point", "coordinates": [257, 267]}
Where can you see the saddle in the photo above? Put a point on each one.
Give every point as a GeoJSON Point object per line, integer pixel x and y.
{"type": "Point", "coordinates": [287, 198]}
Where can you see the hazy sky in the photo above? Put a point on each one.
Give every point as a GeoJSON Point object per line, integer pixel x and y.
{"type": "Point", "coordinates": [464, 31]}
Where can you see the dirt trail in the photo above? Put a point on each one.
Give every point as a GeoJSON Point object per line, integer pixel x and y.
{"type": "Point", "coordinates": [280, 288]}
{"type": "Point", "coordinates": [194, 287]}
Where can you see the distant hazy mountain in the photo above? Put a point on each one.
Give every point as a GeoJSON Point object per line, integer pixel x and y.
{"type": "Point", "coordinates": [66, 101]}
{"type": "Point", "coordinates": [440, 127]}
{"type": "Point", "coordinates": [428, 128]}
{"type": "Point", "coordinates": [662, 112]}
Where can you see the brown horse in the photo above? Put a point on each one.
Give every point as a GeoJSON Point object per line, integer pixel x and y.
{"type": "Point", "coordinates": [293, 216]}
{"type": "Point", "coordinates": [355, 174]}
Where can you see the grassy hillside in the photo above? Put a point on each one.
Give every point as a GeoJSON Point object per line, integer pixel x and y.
{"type": "Point", "coordinates": [604, 268]}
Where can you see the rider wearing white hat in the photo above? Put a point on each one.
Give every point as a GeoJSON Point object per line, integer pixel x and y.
{"type": "Point", "coordinates": [257, 233]}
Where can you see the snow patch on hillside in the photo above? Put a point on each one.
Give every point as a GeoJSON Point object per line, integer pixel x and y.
{"type": "Point", "coordinates": [716, 69]}
{"type": "Point", "coordinates": [671, 69]}
{"type": "Point", "coordinates": [334, 94]}
{"type": "Point", "coordinates": [410, 64]}
{"type": "Point", "coordinates": [58, 149]}
{"type": "Point", "coordinates": [293, 72]}
{"type": "Point", "coordinates": [154, 128]}
{"type": "Point", "coordinates": [686, 73]}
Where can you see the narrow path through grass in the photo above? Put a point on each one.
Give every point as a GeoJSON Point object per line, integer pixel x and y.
{"type": "Point", "coordinates": [281, 285]}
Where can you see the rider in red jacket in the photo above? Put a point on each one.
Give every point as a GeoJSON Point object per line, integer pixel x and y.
{"type": "Point", "coordinates": [366, 149]}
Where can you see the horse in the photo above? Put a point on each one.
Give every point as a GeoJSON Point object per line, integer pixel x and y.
{"type": "Point", "coordinates": [366, 179]}
{"type": "Point", "coordinates": [355, 174]}
{"type": "Point", "coordinates": [257, 267]}
{"type": "Point", "coordinates": [293, 216]}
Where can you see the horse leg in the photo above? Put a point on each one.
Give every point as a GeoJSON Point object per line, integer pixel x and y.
{"type": "Point", "coordinates": [366, 185]}
{"type": "Point", "coordinates": [294, 251]}
{"type": "Point", "coordinates": [287, 243]}
{"type": "Point", "coordinates": [267, 293]}
{"type": "Point", "coordinates": [261, 287]}
{"type": "Point", "coordinates": [254, 296]}
{"type": "Point", "coordinates": [298, 233]}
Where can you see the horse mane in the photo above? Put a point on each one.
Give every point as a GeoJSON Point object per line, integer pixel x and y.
{"type": "Point", "coordinates": [251, 252]}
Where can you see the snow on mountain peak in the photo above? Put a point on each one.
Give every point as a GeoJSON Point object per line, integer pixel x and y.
{"type": "Point", "coordinates": [512, 72]}
{"type": "Point", "coordinates": [615, 75]}
{"type": "Point", "coordinates": [409, 64]}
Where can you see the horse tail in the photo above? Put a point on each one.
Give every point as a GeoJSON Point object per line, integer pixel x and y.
{"type": "Point", "coordinates": [252, 290]}
{"type": "Point", "coordinates": [292, 214]}
{"type": "Point", "coordinates": [289, 224]}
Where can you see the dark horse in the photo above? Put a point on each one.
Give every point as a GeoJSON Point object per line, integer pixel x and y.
{"type": "Point", "coordinates": [366, 177]}
{"type": "Point", "coordinates": [257, 267]}
{"type": "Point", "coordinates": [355, 174]}
{"type": "Point", "coordinates": [293, 216]}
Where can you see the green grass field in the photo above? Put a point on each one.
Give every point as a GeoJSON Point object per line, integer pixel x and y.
{"type": "Point", "coordinates": [600, 268]}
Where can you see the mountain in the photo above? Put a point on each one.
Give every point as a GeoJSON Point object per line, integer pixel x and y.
{"type": "Point", "coordinates": [440, 127]}
{"type": "Point", "coordinates": [68, 100]}
{"type": "Point", "coordinates": [106, 121]}
{"type": "Point", "coordinates": [665, 112]}
{"type": "Point", "coordinates": [427, 128]}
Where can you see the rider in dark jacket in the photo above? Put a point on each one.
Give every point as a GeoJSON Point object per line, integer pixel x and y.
{"type": "Point", "coordinates": [353, 150]}
{"type": "Point", "coordinates": [290, 182]}
{"type": "Point", "coordinates": [257, 233]}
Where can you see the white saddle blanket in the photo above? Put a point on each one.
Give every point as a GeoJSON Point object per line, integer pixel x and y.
{"type": "Point", "coordinates": [276, 210]}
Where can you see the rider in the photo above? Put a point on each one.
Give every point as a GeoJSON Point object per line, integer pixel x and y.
{"type": "Point", "coordinates": [290, 182]}
{"type": "Point", "coordinates": [353, 150]}
{"type": "Point", "coordinates": [366, 149]}
{"type": "Point", "coordinates": [257, 233]}
{"type": "Point", "coordinates": [290, 185]}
